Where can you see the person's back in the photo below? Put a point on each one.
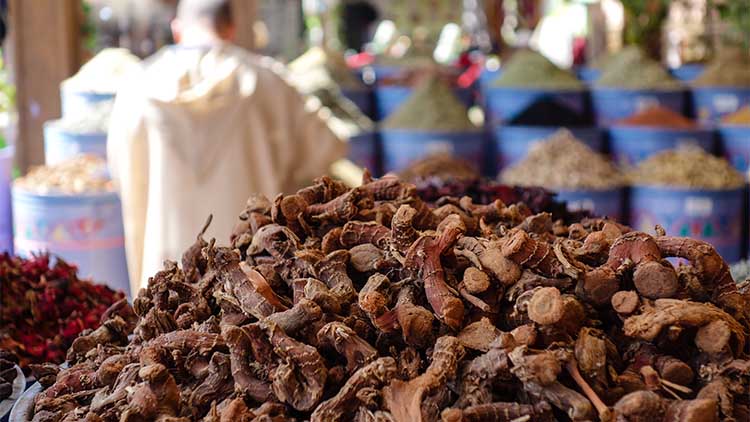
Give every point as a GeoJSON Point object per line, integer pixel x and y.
{"type": "Point", "coordinates": [204, 126]}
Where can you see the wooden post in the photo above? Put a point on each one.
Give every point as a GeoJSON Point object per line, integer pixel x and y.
{"type": "Point", "coordinates": [45, 37]}
{"type": "Point", "coordinates": [245, 13]}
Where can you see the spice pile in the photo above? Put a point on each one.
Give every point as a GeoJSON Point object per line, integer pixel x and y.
{"type": "Point", "coordinates": [687, 167]}
{"type": "Point", "coordinates": [8, 373]}
{"type": "Point", "coordinates": [658, 116]}
{"type": "Point", "coordinates": [79, 175]}
{"type": "Point", "coordinates": [94, 118]}
{"type": "Point", "coordinates": [45, 307]}
{"type": "Point", "coordinates": [439, 167]}
{"type": "Point", "coordinates": [104, 73]}
{"type": "Point", "coordinates": [729, 69]}
{"type": "Point", "coordinates": [563, 162]}
{"type": "Point", "coordinates": [364, 304]}
{"type": "Point", "coordinates": [741, 117]}
{"type": "Point", "coordinates": [432, 107]}
{"type": "Point", "coordinates": [529, 69]}
{"type": "Point", "coordinates": [632, 69]}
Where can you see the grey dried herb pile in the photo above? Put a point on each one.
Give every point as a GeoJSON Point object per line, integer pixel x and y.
{"type": "Point", "coordinates": [564, 162]}
{"type": "Point", "coordinates": [729, 69]}
{"type": "Point", "coordinates": [432, 107]}
{"type": "Point", "coordinates": [687, 167]}
{"type": "Point", "coordinates": [93, 118]}
{"type": "Point", "coordinates": [529, 69]}
{"type": "Point", "coordinates": [632, 69]}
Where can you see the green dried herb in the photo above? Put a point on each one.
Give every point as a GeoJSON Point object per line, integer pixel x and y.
{"type": "Point", "coordinates": [729, 69]}
{"type": "Point", "coordinates": [432, 107]}
{"type": "Point", "coordinates": [631, 68]}
{"type": "Point", "coordinates": [564, 162]}
{"type": "Point", "coordinates": [529, 69]}
{"type": "Point", "coordinates": [687, 167]}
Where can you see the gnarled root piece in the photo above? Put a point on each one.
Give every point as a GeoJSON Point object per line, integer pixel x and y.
{"type": "Point", "coordinates": [424, 256]}
{"type": "Point", "coordinates": [342, 208]}
{"type": "Point", "coordinates": [215, 387]}
{"type": "Point", "coordinates": [300, 378]}
{"type": "Point", "coordinates": [303, 313]}
{"type": "Point", "coordinates": [711, 270]}
{"type": "Point", "coordinates": [404, 398]}
{"type": "Point", "coordinates": [355, 350]}
{"type": "Point", "coordinates": [318, 292]}
{"type": "Point", "coordinates": [520, 248]}
{"type": "Point", "coordinates": [332, 271]}
{"type": "Point", "coordinates": [479, 335]}
{"type": "Point", "coordinates": [344, 404]}
{"type": "Point", "coordinates": [403, 233]}
{"type": "Point", "coordinates": [647, 406]}
{"type": "Point", "coordinates": [278, 241]}
{"type": "Point", "coordinates": [155, 398]}
{"type": "Point", "coordinates": [246, 382]}
{"type": "Point", "coordinates": [570, 401]}
{"type": "Point", "coordinates": [679, 313]}
{"type": "Point", "coordinates": [548, 307]}
{"type": "Point", "coordinates": [500, 412]}
{"type": "Point", "coordinates": [477, 378]}
{"type": "Point", "coordinates": [358, 233]}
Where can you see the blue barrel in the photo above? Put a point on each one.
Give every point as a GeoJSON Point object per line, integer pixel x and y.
{"type": "Point", "coordinates": [613, 104]}
{"type": "Point", "coordinates": [401, 147]}
{"type": "Point", "coordinates": [504, 104]}
{"type": "Point", "coordinates": [487, 77]}
{"type": "Point", "coordinates": [84, 229]}
{"type": "Point", "coordinates": [687, 72]}
{"type": "Point", "coordinates": [364, 151]}
{"type": "Point", "coordinates": [61, 145]}
{"type": "Point", "coordinates": [588, 74]}
{"type": "Point", "coordinates": [362, 98]}
{"type": "Point", "coordinates": [512, 143]}
{"type": "Point", "coordinates": [74, 101]}
{"type": "Point", "coordinates": [630, 145]}
{"type": "Point", "coordinates": [735, 144]}
{"type": "Point", "coordinates": [712, 103]}
{"type": "Point", "coordinates": [6, 216]}
{"type": "Point", "coordinates": [715, 216]}
{"type": "Point", "coordinates": [604, 203]}
{"type": "Point", "coordinates": [388, 98]}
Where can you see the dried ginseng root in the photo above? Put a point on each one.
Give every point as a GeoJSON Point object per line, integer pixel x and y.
{"type": "Point", "coordinates": [372, 304]}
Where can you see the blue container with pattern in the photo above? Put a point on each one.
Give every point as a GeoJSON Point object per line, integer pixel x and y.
{"type": "Point", "coordinates": [687, 72]}
{"type": "Point", "coordinates": [735, 145]}
{"type": "Point", "coordinates": [83, 229]}
{"type": "Point", "coordinates": [604, 203]}
{"type": "Point", "coordinates": [512, 143]}
{"type": "Point", "coordinates": [588, 74]}
{"type": "Point", "coordinates": [714, 216]}
{"type": "Point", "coordinates": [630, 145]}
{"type": "Point", "coordinates": [61, 145]}
{"type": "Point", "coordinates": [613, 104]}
{"type": "Point", "coordinates": [504, 104]}
{"type": "Point", "coordinates": [75, 101]}
{"type": "Point", "coordinates": [401, 147]}
{"type": "Point", "coordinates": [388, 98]}
{"type": "Point", "coordinates": [711, 104]}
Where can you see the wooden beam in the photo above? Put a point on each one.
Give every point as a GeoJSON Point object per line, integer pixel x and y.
{"type": "Point", "coordinates": [46, 49]}
{"type": "Point", "coordinates": [245, 13]}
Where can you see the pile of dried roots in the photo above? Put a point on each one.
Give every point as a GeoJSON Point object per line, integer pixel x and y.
{"type": "Point", "coordinates": [366, 304]}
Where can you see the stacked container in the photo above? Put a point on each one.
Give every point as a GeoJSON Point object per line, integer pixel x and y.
{"type": "Point", "coordinates": [433, 120]}
{"type": "Point", "coordinates": [530, 100]}
{"type": "Point", "coordinates": [631, 82]}
{"type": "Point", "coordinates": [723, 87]}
